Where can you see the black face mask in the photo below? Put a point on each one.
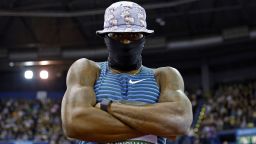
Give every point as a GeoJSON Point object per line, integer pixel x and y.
{"type": "Point", "coordinates": [124, 57]}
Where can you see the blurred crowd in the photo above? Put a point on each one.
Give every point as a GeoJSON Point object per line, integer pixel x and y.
{"type": "Point", "coordinates": [230, 106]}
{"type": "Point", "coordinates": [33, 120]}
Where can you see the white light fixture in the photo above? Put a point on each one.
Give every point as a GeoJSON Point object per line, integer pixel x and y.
{"type": "Point", "coordinates": [11, 64]}
{"type": "Point", "coordinates": [29, 63]}
{"type": "Point", "coordinates": [44, 74]}
{"type": "Point", "coordinates": [44, 63]}
{"type": "Point", "coordinates": [28, 74]}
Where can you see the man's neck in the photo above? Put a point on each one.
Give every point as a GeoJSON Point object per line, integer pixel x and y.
{"type": "Point", "coordinates": [132, 72]}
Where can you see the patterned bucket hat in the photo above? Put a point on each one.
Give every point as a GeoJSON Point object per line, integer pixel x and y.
{"type": "Point", "coordinates": [124, 16]}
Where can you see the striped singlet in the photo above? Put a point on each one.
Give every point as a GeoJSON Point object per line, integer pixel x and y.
{"type": "Point", "coordinates": [141, 87]}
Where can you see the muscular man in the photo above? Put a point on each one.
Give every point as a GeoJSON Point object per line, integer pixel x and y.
{"type": "Point", "coordinates": [120, 100]}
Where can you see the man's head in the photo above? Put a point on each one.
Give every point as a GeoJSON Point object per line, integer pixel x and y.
{"type": "Point", "coordinates": [124, 33]}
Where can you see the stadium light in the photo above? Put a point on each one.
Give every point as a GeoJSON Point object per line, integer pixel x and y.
{"type": "Point", "coordinates": [28, 74]}
{"type": "Point", "coordinates": [29, 63]}
{"type": "Point", "coordinates": [44, 63]}
{"type": "Point", "coordinates": [44, 74]}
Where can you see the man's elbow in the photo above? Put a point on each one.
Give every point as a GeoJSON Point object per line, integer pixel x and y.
{"type": "Point", "coordinates": [184, 126]}
{"type": "Point", "coordinates": [69, 126]}
{"type": "Point", "coordinates": [75, 127]}
{"type": "Point", "coordinates": [179, 126]}
{"type": "Point", "coordinates": [183, 130]}
{"type": "Point", "coordinates": [68, 131]}
{"type": "Point", "coordinates": [185, 119]}
{"type": "Point", "coordinates": [73, 131]}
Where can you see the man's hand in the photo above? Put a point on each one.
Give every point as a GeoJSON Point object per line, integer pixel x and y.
{"type": "Point", "coordinates": [97, 106]}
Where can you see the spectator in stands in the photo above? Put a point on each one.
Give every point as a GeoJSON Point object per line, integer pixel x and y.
{"type": "Point", "coordinates": [32, 120]}
{"type": "Point", "coordinates": [232, 106]}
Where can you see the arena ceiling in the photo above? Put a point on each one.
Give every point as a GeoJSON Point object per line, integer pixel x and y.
{"type": "Point", "coordinates": [186, 32]}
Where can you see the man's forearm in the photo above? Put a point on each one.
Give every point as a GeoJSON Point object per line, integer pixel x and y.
{"type": "Point", "coordinates": [97, 125]}
{"type": "Point", "coordinates": [161, 119]}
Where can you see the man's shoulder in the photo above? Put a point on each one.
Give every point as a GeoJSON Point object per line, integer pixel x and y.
{"type": "Point", "coordinates": [169, 76]}
{"type": "Point", "coordinates": [168, 71]}
{"type": "Point", "coordinates": [82, 72]}
{"type": "Point", "coordinates": [85, 63]}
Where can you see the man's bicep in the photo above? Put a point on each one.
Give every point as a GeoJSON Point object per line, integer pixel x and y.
{"type": "Point", "coordinates": [171, 85]}
{"type": "Point", "coordinates": [172, 88]}
{"type": "Point", "coordinates": [173, 91]}
{"type": "Point", "coordinates": [80, 96]}
{"type": "Point", "coordinates": [172, 96]}
{"type": "Point", "coordinates": [76, 98]}
{"type": "Point", "coordinates": [79, 92]}
{"type": "Point", "coordinates": [80, 81]}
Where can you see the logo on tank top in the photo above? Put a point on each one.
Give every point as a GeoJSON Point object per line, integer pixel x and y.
{"type": "Point", "coordinates": [134, 82]}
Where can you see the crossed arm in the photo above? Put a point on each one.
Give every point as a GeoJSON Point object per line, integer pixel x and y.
{"type": "Point", "coordinates": [82, 120]}
{"type": "Point", "coordinates": [170, 117]}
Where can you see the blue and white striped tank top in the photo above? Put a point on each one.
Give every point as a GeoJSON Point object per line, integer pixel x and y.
{"type": "Point", "coordinates": [141, 87]}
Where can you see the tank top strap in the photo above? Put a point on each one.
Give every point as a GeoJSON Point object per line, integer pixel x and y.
{"type": "Point", "coordinates": [103, 68]}
{"type": "Point", "coordinates": [146, 71]}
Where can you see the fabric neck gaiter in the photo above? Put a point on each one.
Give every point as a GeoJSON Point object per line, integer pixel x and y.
{"type": "Point", "coordinates": [124, 57]}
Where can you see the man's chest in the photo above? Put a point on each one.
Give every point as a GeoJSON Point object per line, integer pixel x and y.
{"type": "Point", "coordinates": [141, 88]}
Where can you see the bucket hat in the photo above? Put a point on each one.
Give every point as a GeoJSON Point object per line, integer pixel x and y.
{"type": "Point", "coordinates": [124, 16]}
